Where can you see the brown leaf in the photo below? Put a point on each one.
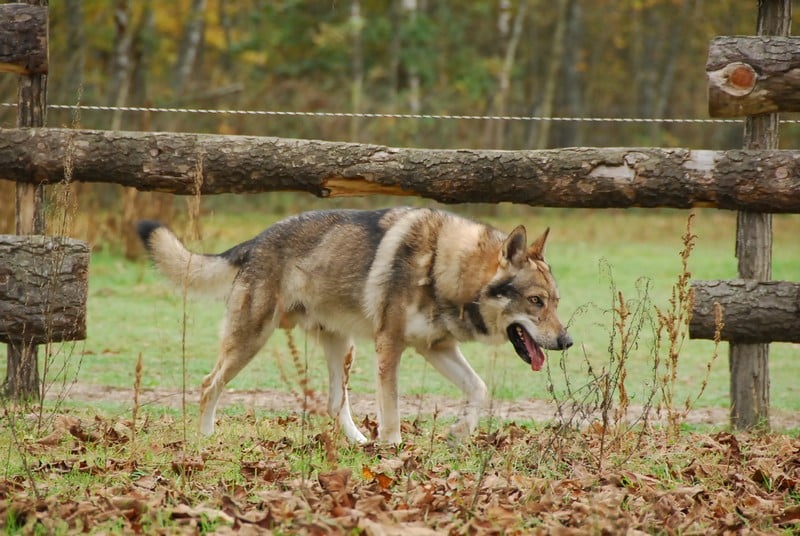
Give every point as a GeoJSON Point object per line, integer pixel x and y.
{"type": "Point", "coordinates": [371, 426]}
{"type": "Point", "coordinates": [263, 470]}
{"type": "Point", "coordinates": [384, 481]}
{"type": "Point", "coordinates": [61, 425]}
{"type": "Point", "coordinates": [335, 482]}
{"type": "Point", "coordinates": [184, 511]}
{"type": "Point", "coordinates": [129, 506]}
{"type": "Point", "coordinates": [372, 504]}
{"type": "Point", "coordinates": [90, 436]}
{"type": "Point", "coordinates": [186, 465]}
{"type": "Point", "coordinates": [789, 516]}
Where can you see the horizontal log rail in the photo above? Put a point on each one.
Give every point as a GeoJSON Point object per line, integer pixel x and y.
{"type": "Point", "coordinates": [43, 289]}
{"type": "Point", "coordinates": [752, 311]}
{"type": "Point", "coordinates": [753, 75]}
{"type": "Point", "coordinates": [186, 164]}
{"type": "Point", "coordinates": [23, 38]}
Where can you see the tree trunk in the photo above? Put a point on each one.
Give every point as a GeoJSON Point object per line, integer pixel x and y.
{"type": "Point", "coordinates": [749, 362]}
{"type": "Point", "coordinates": [557, 52]}
{"type": "Point", "coordinates": [356, 68]}
{"type": "Point", "coordinates": [191, 42]}
{"type": "Point", "coordinates": [76, 44]}
{"type": "Point", "coordinates": [410, 9]}
{"type": "Point", "coordinates": [573, 177]}
{"type": "Point", "coordinates": [494, 135]}
{"type": "Point", "coordinates": [666, 73]}
{"type": "Point", "coordinates": [573, 78]}
{"type": "Point", "coordinates": [121, 65]}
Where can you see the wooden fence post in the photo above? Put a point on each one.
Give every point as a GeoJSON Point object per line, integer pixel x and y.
{"type": "Point", "coordinates": [749, 362]}
{"type": "Point", "coordinates": [22, 373]}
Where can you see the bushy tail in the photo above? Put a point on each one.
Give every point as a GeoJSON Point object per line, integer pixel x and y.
{"type": "Point", "coordinates": [193, 272]}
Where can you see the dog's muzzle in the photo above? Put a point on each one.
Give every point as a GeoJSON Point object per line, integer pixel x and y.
{"type": "Point", "coordinates": [525, 346]}
{"type": "Point", "coordinates": [529, 350]}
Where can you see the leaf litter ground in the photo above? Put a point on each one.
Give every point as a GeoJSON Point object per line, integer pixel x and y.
{"type": "Point", "coordinates": [295, 474]}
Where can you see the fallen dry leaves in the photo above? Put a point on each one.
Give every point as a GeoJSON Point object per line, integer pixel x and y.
{"type": "Point", "coordinates": [92, 474]}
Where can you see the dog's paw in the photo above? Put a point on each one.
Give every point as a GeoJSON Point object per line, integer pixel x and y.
{"type": "Point", "coordinates": [206, 427]}
{"type": "Point", "coordinates": [357, 438]}
{"type": "Point", "coordinates": [459, 432]}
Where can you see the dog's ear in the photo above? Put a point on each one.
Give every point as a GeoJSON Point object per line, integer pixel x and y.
{"type": "Point", "coordinates": [536, 251]}
{"type": "Point", "coordinates": [513, 250]}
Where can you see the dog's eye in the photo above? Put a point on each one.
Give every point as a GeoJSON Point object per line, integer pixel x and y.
{"type": "Point", "coordinates": [536, 300]}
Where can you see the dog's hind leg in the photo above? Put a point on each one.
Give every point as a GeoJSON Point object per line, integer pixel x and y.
{"type": "Point", "coordinates": [450, 362]}
{"type": "Point", "coordinates": [248, 323]}
{"type": "Point", "coordinates": [340, 352]}
{"type": "Point", "coordinates": [389, 353]}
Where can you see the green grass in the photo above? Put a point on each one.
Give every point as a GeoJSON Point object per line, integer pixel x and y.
{"type": "Point", "coordinates": [594, 254]}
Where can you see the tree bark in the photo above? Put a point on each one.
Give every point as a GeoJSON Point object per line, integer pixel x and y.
{"type": "Point", "coordinates": [749, 363]}
{"type": "Point", "coordinates": [43, 289]}
{"type": "Point", "coordinates": [574, 177]}
{"type": "Point", "coordinates": [753, 75]}
{"type": "Point", "coordinates": [23, 39]}
{"type": "Point", "coordinates": [752, 311]}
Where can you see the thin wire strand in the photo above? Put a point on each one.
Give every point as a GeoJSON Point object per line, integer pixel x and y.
{"type": "Point", "coordinates": [389, 116]}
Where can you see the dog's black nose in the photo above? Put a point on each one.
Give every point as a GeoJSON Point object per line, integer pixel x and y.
{"type": "Point", "coordinates": [564, 341]}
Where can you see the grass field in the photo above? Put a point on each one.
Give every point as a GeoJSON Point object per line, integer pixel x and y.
{"type": "Point", "coordinates": [594, 254]}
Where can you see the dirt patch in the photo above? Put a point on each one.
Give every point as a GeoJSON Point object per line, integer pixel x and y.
{"type": "Point", "coordinates": [410, 406]}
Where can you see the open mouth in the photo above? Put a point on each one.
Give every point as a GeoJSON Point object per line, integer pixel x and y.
{"type": "Point", "coordinates": [525, 346]}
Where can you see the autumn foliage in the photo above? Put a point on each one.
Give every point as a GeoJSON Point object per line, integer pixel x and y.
{"type": "Point", "coordinates": [94, 474]}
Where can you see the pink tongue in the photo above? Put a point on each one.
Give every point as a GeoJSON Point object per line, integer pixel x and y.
{"type": "Point", "coordinates": [536, 353]}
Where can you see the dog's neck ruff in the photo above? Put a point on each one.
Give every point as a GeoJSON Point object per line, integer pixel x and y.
{"type": "Point", "coordinates": [473, 313]}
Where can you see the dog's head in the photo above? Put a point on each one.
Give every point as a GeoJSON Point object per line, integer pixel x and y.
{"type": "Point", "coordinates": [520, 301]}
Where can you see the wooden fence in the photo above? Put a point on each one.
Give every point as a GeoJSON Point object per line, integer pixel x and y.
{"type": "Point", "coordinates": [747, 75]}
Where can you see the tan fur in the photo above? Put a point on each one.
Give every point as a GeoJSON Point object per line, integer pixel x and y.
{"type": "Point", "coordinates": [405, 277]}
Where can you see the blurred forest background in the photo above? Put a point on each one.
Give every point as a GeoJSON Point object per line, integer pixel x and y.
{"type": "Point", "coordinates": [550, 58]}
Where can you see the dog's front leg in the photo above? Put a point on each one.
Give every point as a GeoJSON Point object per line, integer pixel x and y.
{"type": "Point", "coordinates": [389, 352]}
{"type": "Point", "coordinates": [452, 364]}
{"type": "Point", "coordinates": [340, 352]}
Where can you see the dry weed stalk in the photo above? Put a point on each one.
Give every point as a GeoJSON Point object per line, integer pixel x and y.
{"type": "Point", "coordinates": [604, 402]}
{"type": "Point", "coordinates": [300, 374]}
{"type": "Point", "coordinates": [194, 225]}
{"type": "Point", "coordinates": [193, 201]}
{"type": "Point", "coordinates": [619, 433]}
{"type": "Point", "coordinates": [137, 387]}
{"type": "Point", "coordinates": [673, 326]}
{"type": "Point", "coordinates": [61, 208]}
{"type": "Point", "coordinates": [621, 325]}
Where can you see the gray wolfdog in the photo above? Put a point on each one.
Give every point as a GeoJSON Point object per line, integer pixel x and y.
{"type": "Point", "coordinates": [405, 277]}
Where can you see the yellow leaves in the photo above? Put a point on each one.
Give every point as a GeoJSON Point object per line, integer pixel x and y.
{"type": "Point", "coordinates": [384, 481]}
